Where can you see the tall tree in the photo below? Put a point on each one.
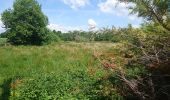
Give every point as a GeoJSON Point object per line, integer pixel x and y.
{"type": "Point", "coordinates": [25, 23]}
{"type": "Point", "coordinates": [151, 10]}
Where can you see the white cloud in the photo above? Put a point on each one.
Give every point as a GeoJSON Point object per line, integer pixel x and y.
{"type": "Point", "coordinates": [135, 26]}
{"type": "Point", "coordinates": [112, 6]}
{"type": "Point", "coordinates": [133, 17]}
{"type": "Point", "coordinates": [92, 24]}
{"type": "Point", "coordinates": [75, 4]}
{"type": "Point", "coordinates": [0, 21]}
{"type": "Point", "coordinates": [1, 24]}
{"type": "Point", "coordinates": [64, 28]}
{"type": "Point", "coordinates": [117, 8]}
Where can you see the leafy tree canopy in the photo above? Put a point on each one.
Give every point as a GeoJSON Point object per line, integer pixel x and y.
{"type": "Point", "coordinates": [151, 10]}
{"type": "Point", "coordinates": [25, 23]}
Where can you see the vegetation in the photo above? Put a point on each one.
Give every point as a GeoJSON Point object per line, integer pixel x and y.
{"type": "Point", "coordinates": [152, 10]}
{"type": "Point", "coordinates": [107, 64]}
{"type": "Point", "coordinates": [3, 41]}
{"type": "Point", "coordinates": [26, 24]}
{"type": "Point", "coordinates": [62, 71]}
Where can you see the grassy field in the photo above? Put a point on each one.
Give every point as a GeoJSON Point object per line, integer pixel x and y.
{"type": "Point", "coordinates": [68, 69]}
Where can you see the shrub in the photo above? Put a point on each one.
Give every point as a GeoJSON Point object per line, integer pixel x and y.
{"type": "Point", "coordinates": [51, 37]}
{"type": "Point", "coordinates": [81, 39]}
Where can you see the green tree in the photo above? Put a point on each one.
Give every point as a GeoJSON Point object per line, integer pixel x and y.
{"type": "Point", "coordinates": [151, 10]}
{"type": "Point", "coordinates": [25, 23]}
{"type": "Point", "coordinates": [58, 33]}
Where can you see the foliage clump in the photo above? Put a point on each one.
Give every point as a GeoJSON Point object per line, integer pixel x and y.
{"type": "Point", "coordinates": [26, 24]}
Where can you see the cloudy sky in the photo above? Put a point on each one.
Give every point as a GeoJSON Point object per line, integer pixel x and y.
{"type": "Point", "coordinates": [65, 15]}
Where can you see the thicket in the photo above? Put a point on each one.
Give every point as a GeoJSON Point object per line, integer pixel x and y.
{"type": "Point", "coordinates": [148, 50]}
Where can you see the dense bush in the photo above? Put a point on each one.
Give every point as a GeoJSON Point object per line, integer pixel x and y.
{"type": "Point", "coordinates": [51, 37]}
{"type": "Point", "coordinates": [105, 34]}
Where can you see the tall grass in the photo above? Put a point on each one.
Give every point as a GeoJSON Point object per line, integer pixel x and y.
{"type": "Point", "coordinates": [65, 60]}
{"type": "Point", "coordinates": [3, 41]}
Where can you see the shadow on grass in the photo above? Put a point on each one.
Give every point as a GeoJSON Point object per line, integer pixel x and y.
{"type": "Point", "coordinates": [6, 89]}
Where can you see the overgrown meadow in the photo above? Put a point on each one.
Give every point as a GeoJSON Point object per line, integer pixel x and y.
{"type": "Point", "coordinates": [57, 71]}
{"type": "Point", "coordinates": [124, 63]}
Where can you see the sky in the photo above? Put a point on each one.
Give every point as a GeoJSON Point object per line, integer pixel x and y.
{"type": "Point", "coordinates": [69, 15]}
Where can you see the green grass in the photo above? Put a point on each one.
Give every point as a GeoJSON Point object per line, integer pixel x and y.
{"type": "Point", "coordinates": [67, 62]}
{"type": "Point", "coordinates": [3, 41]}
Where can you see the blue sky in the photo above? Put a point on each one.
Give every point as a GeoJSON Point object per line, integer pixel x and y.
{"type": "Point", "coordinates": [65, 15]}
